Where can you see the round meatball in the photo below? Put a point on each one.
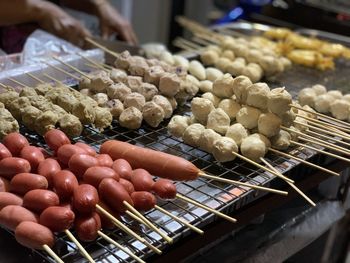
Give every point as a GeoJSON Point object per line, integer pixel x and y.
{"type": "Point", "coordinates": [134, 100]}
{"type": "Point", "coordinates": [223, 87]}
{"type": "Point", "coordinates": [134, 83]}
{"type": "Point", "coordinates": [266, 140]}
{"type": "Point", "coordinates": [123, 60]}
{"type": "Point", "coordinates": [131, 118]}
{"type": "Point", "coordinates": [346, 97]}
{"type": "Point", "coordinates": [167, 57]}
{"type": "Point", "coordinates": [323, 103]}
{"type": "Point", "coordinates": [118, 75]}
{"type": "Point", "coordinates": [253, 148]}
{"type": "Point", "coordinates": [103, 118]}
{"type": "Point", "coordinates": [236, 67]}
{"type": "Point", "coordinates": [29, 116]}
{"type": "Point", "coordinates": [269, 124]}
{"type": "Point", "coordinates": [228, 54]}
{"type": "Point", "coordinates": [180, 61]}
{"type": "Point", "coordinates": [148, 91]}
{"type": "Point", "coordinates": [222, 64]}
{"type": "Point", "coordinates": [230, 106]}
{"type": "Point", "coordinates": [153, 74]}
{"type": "Point", "coordinates": [101, 99]}
{"type": "Point", "coordinates": [7, 97]}
{"type": "Point", "coordinates": [300, 125]}
{"type": "Point", "coordinates": [288, 118]}
{"type": "Point", "coordinates": [213, 73]}
{"type": "Point", "coordinates": [257, 95]}
{"type": "Point", "coordinates": [218, 120]}
{"type": "Point", "coordinates": [70, 125]}
{"type": "Point", "coordinates": [153, 114]}
{"type": "Point", "coordinates": [116, 107]}
{"type": "Point", "coordinates": [201, 108]}
{"type": "Point", "coordinates": [340, 109]}
{"type": "Point", "coordinates": [248, 117]}
{"type": "Point", "coordinates": [206, 86]}
{"type": "Point", "coordinates": [209, 57]}
{"type": "Point", "coordinates": [169, 84]}
{"type": "Point", "coordinates": [46, 121]}
{"type": "Point", "coordinates": [240, 88]}
{"type": "Point", "coordinates": [178, 125]}
{"type": "Point", "coordinates": [138, 66]}
{"type": "Point", "coordinates": [193, 134]}
{"type": "Point", "coordinates": [207, 139]}
{"type": "Point", "coordinates": [165, 104]}
{"type": "Point", "coordinates": [281, 141]}
{"type": "Point", "coordinates": [237, 132]}
{"type": "Point", "coordinates": [27, 91]}
{"type": "Point", "coordinates": [214, 99]}
{"type": "Point", "coordinates": [84, 83]}
{"type": "Point", "coordinates": [197, 70]}
{"type": "Point", "coordinates": [278, 101]}
{"type": "Point", "coordinates": [319, 89]}
{"type": "Point", "coordinates": [100, 82]}
{"type": "Point", "coordinates": [307, 96]}
{"type": "Point", "coordinates": [118, 91]}
{"type": "Point", "coordinates": [43, 88]}
{"type": "Point", "coordinates": [85, 112]}
{"type": "Point", "coordinates": [224, 148]}
{"type": "Point", "coordinates": [253, 71]}
{"type": "Point", "coordinates": [336, 94]}
{"type": "Point", "coordinates": [270, 65]}
{"type": "Point", "coordinates": [17, 105]}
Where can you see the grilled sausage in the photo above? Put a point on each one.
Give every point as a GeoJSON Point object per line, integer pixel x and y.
{"type": "Point", "coordinates": [14, 142]}
{"type": "Point", "coordinates": [33, 155]}
{"type": "Point", "coordinates": [165, 189]}
{"type": "Point", "coordinates": [9, 199]}
{"type": "Point", "coordinates": [88, 149]}
{"type": "Point", "coordinates": [94, 175]}
{"type": "Point", "coordinates": [12, 215]}
{"type": "Point", "coordinates": [24, 182]}
{"type": "Point", "coordinates": [34, 235]}
{"type": "Point", "coordinates": [64, 183]}
{"type": "Point", "coordinates": [123, 168]}
{"type": "Point", "coordinates": [38, 200]}
{"type": "Point", "coordinates": [4, 152]}
{"type": "Point", "coordinates": [80, 162]}
{"type": "Point", "coordinates": [11, 166]}
{"type": "Point", "coordinates": [55, 139]}
{"type": "Point", "coordinates": [104, 160]}
{"type": "Point", "coordinates": [85, 198]}
{"type": "Point", "coordinates": [87, 226]}
{"type": "Point", "coordinates": [48, 168]}
{"type": "Point", "coordinates": [4, 185]}
{"type": "Point", "coordinates": [65, 152]}
{"type": "Point", "coordinates": [142, 180]}
{"type": "Point", "coordinates": [113, 193]}
{"type": "Point", "coordinates": [57, 218]}
{"type": "Point", "coordinates": [127, 185]}
{"type": "Point", "coordinates": [143, 201]}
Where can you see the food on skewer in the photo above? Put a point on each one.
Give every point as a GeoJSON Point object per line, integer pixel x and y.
{"type": "Point", "coordinates": [7, 198]}
{"type": "Point", "coordinates": [33, 235]}
{"type": "Point", "coordinates": [12, 215]}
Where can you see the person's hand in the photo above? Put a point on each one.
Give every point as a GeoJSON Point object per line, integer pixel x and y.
{"type": "Point", "coordinates": [54, 20]}
{"type": "Point", "coordinates": [111, 21]}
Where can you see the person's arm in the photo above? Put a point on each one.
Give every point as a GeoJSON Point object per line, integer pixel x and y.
{"type": "Point", "coordinates": [19, 11]}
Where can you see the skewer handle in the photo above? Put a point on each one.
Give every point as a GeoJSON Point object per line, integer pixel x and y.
{"type": "Point", "coordinates": [93, 42]}
{"type": "Point", "coordinates": [80, 247]}
{"type": "Point", "coordinates": [52, 254]}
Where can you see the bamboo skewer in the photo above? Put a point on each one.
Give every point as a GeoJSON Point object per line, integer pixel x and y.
{"type": "Point", "coordinates": [303, 161]}
{"type": "Point", "coordinates": [189, 43]}
{"type": "Point", "coordinates": [328, 138]}
{"type": "Point", "coordinates": [91, 41]}
{"type": "Point", "coordinates": [3, 85]}
{"type": "Point", "coordinates": [180, 220]}
{"type": "Point", "coordinates": [292, 185]}
{"type": "Point", "coordinates": [93, 62]}
{"type": "Point", "coordinates": [324, 124]}
{"type": "Point", "coordinates": [80, 247]}
{"type": "Point", "coordinates": [256, 187]}
{"type": "Point", "coordinates": [122, 248]}
{"type": "Point", "coordinates": [17, 82]}
{"type": "Point", "coordinates": [72, 67]}
{"type": "Point", "coordinates": [184, 47]}
{"type": "Point", "coordinates": [52, 254]}
{"type": "Point", "coordinates": [321, 151]}
{"type": "Point", "coordinates": [63, 71]}
{"type": "Point", "coordinates": [35, 78]}
{"type": "Point", "coordinates": [332, 131]}
{"type": "Point", "coordinates": [193, 202]}
{"type": "Point", "coordinates": [53, 79]}
{"type": "Point", "coordinates": [201, 41]}
{"type": "Point", "coordinates": [206, 37]}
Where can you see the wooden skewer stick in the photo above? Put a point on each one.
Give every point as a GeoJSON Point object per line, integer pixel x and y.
{"type": "Point", "coordinates": [180, 220]}
{"type": "Point", "coordinates": [3, 85]}
{"type": "Point", "coordinates": [80, 247]}
{"type": "Point", "coordinates": [72, 67]}
{"type": "Point", "coordinates": [193, 202]}
{"type": "Point", "coordinates": [91, 41]}
{"type": "Point", "coordinates": [303, 161]}
{"type": "Point", "coordinates": [206, 37]}
{"type": "Point", "coordinates": [189, 43]}
{"type": "Point", "coordinates": [17, 82]}
{"type": "Point", "coordinates": [107, 66]}
{"type": "Point", "coordinates": [261, 167]}
{"type": "Point", "coordinates": [322, 115]}
{"type": "Point", "coordinates": [328, 138]}
{"type": "Point", "coordinates": [63, 71]}
{"type": "Point", "coordinates": [52, 254]}
{"type": "Point", "coordinates": [183, 46]}
{"type": "Point", "coordinates": [321, 151]}
{"type": "Point", "coordinates": [292, 185]}
{"type": "Point", "coordinates": [201, 41]}
{"type": "Point", "coordinates": [334, 131]}
{"type": "Point", "coordinates": [53, 79]}
{"type": "Point", "coordinates": [148, 223]}
{"type": "Point", "coordinates": [324, 124]}
{"type": "Point", "coordinates": [256, 187]}
{"type": "Point", "coordinates": [35, 78]}
{"type": "Point", "coordinates": [122, 248]}
{"type": "Point", "coordinates": [98, 65]}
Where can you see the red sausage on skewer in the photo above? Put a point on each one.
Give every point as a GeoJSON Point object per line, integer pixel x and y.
{"type": "Point", "coordinates": [87, 226]}
{"type": "Point", "coordinates": [85, 198]}
{"type": "Point", "coordinates": [4, 152]}
{"type": "Point", "coordinates": [123, 168]}
{"type": "Point", "coordinates": [143, 201]}
{"type": "Point", "coordinates": [94, 175]}
{"type": "Point", "coordinates": [142, 180]}
{"type": "Point", "coordinates": [12, 215]}
{"type": "Point", "coordinates": [55, 139]}
{"type": "Point", "coordinates": [38, 200]}
{"type": "Point", "coordinates": [57, 218]}
{"type": "Point", "coordinates": [11, 166]}
{"type": "Point", "coordinates": [165, 189]}
{"type": "Point", "coordinates": [15, 142]}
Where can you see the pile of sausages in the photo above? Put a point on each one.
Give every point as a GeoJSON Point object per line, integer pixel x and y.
{"type": "Point", "coordinates": [41, 194]}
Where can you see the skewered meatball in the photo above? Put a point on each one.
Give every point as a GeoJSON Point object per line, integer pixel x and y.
{"type": "Point", "coordinates": [134, 100]}
{"type": "Point", "coordinates": [70, 125]}
{"type": "Point", "coordinates": [257, 95]}
{"type": "Point", "coordinates": [17, 106]}
{"type": "Point", "coordinates": [223, 149]}
{"type": "Point", "coordinates": [253, 71]}
{"type": "Point", "coordinates": [138, 66]}
{"type": "Point", "coordinates": [7, 97]}
{"type": "Point", "coordinates": [181, 62]}
{"type": "Point", "coordinates": [153, 74]}
{"type": "Point", "coordinates": [222, 87]}
{"type": "Point", "coordinates": [169, 84]}
{"type": "Point", "coordinates": [209, 57]}
{"type": "Point", "coordinates": [100, 82]}
{"type": "Point", "coordinates": [323, 103]}
{"type": "Point", "coordinates": [152, 113]}
{"type": "Point", "coordinates": [254, 56]}
{"type": "Point", "coordinates": [236, 67]}
{"type": "Point", "coordinates": [103, 118]}
{"type": "Point", "coordinates": [248, 117]}
{"type": "Point", "coordinates": [177, 125]}
{"type": "Point", "coordinates": [346, 97]}
{"type": "Point", "coordinates": [301, 127]}
{"type": "Point", "coordinates": [278, 101]}
{"type": "Point", "coordinates": [165, 104]}
{"type": "Point", "coordinates": [223, 64]}
{"type": "Point", "coordinates": [115, 107]}
{"type": "Point", "coordinates": [29, 116]}
{"type": "Point", "coordinates": [218, 120]}
{"type": "Point", "coordinates": [190, 85]}
{"type": "Point", "coordinates": [123, 60]}
{"type": "Point", "coordinates": [201, 108]}
{"type": "Point", "coordinates": [269, 124]}
{"type": "Point", "coordinates": [134, 83]}
{"type": "Point", "coordinates": [319, 89]}
{"type": "Point", "coordinates": [67, 101]}
{"type": "Point", "coordinates": [207, 139]}
{"type": "Point", "coordinates": [237, 132]}
{"type": "Point", "coordinates": [193, 80]}
{"type": "Point", "coordinates": [131, 118]}
{"type": "Point", "coordinates": [307, 112]}
{"type": "Point", "coordinates": [118, 75]}
{"type": "Point", "coordinates": [206, 86]}
{"type": "Point", "coordinates": [84, 83]}
{"type": "Point", "coordinates": [27, 91]}
{"type": "Point", "coordinates": [46, 121]}
{"type": "Point", "coordinates": [213, 73]}
{"type": "Point", "coordinates": [214, 99]}
{"type": "Point", "coordinates": [336, 94]}
{"type": "Point", "coordinates": [118, 91]}
{"type": "Point", "coordinates": [240, 88]}
{"type": "Point", "coordinates": [192, 134]}
{"type": "Point", "coordinates": [270, 65]}
{"type": "Point", "coordinates": [281, 141]}
{"type": "Point", "coordinates": [253, 148]}
{"type": "Point", "coordinates": [197, 70]}
{"type": "Point", "coordinates": [288, 118]}
{"type": "Point", "coordinates": [43, 88]}
{"type": "Point", "coordinates": [230, 106]}
{"type": "Point", "coordinates": [148, 91]}
{"type": "Point", "coordinates": [307, 96]}
{"type": "Point", "coordinates": [101, 99]}
{"type": "Point", "coordinates": [173, 102]}
{"type": "Point", "coordinates": [228, 54]}
{"type": "Point", "coordinates": [84, 111]}
{"type": "Point", "coordinates": [6, 126]}
{"type": "Point", "coordinates": [264, 139]}
{"type": "Point", "coordinates": [340, 109]}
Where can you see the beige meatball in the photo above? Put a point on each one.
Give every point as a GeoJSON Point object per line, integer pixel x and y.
{"type": "Point", "coordinates": [118, 75]}
{"type": "Point", "coordinates": [228, 54]}
{"type": "Point", "coordinates": [123, 60]}
{"type": "Point", "coordinates": [84, 83]}
{"type": "Point", "coordinates": [17, 105]}
{"type": "Point", "coordinates": [216, 48]}
{"type": "Point", "coordinates": [165, 104]}
{"type": "Point", "coordinates": [99, 83]}
{"type": "Point", "coordinates": [213, 73]}
{"type": "Point", "coordinates": [218, 120]}
{"type": "Point", "coordinates": [281, 141]}
{"type": "Point", "coordinates": [178, 125]}
{"type": "Point", "coordinates": [294, 135]}
{"type": "Point", "coordinates": [153, 75]}
{"type": "Point", "coordinates": [181, 62]}
{"type": "Point", "coordinates": [224, 149]}
{"type": "Point", "coordinates": [134, 99]}
{"type": "Point", "coordinates": [134, 83]}
{"type": "Point", "coordinates": [193, 134]}
{"type": "Point", "coordinates": [278, 101]}
{"type": "Point", "coordinates": [85, 112]}
{"type": "Point", "coordinates": [86, 92]}
{"type": "Point", "coordinates": [307, 96]}
{"type": "Point", "coordinates": [237, 132]}
{"type": "Point", "coordinates": [253, 71]}
{"type": "Point", "coordinates": [214, 99]}
{"type": "Point", "coordinates": [254, 55]}
{"type": "Point", "coordinates": [257, 95]}
{"type": "Point", "coordinates": [323, 103]}
{"type": "Point", "coordinates": [70, 125]}
{"type": "Point", "coordinates": [269, 124]}
{"type": "Point", "coordinates": [7, 97]}
{"type": "Point", "coordinates": [173, 102]}
{"type": "Point", "coordinates": [241, 50]}
{"type": "Point", "coordinates": [240, 88]}
{"type": "Point", "coordinates": [248, 117]}
{"type": "Point", "coordinates": [116, 107]}
{"type": "Point", "coordinates": [288, 118]}
{"type": "Point", "coordinates": [103, 118]}
{"type": "Point", "coordinates": [118, 91]}
{"type": "Point", "coordinates": [236, 67]}
{"type": "Point", "coordinates": [169, 84]}
{"type": "Point", "coordinates": [340, 109]}
{"type": "Point", "coordinates": [207, 139]}
{"type": "Point", "coordinates": [336, 94]}
{"type": "Point", "coordinates": [193, 80]}
{"type": "Point", "coordinates": [197, 70]}
{"type": "Point", "coordinates": [138, 66]}
{"type": "Point", "coordinates": [266, 140]}
{"type": "Point", "coordinates": [29, 116]}
{"type": "Point", "coordinates": [270, 65]}
{"type": "Point", "coordinates": [346, 97]}
{"type": "Point", "coordinates": [223, 87]}
{"type": "Point", "coordinates": [206, 86]}
{"type": "Point", "coordinates": [319, 89]}
{"type": "Point", "coordinates": [153, 114]}
{"type": "Point", "coordinates": [287, 64]}
{"type": "Point", "coordinates": [300, 123]}
{"type": "Point", "coordinates": [190, 86]}
{"type": "Point", "coordinates": [223, 63]}
{"type": "Point", "coordinates": [209, 57]}
{"type": "Point", "coordinates": [201, 108]}
{"type": "Point", "coordinates": [43, 88]}
{"type": "Point", "coordinates": [230, 106]}
{"type": "Point", "coordinates": [308, 112]}
{"type": "Point", "coordinates": [27, 91]}
{"type": "Point", "coordinates": [101, 99]}
{"type": "Point", "coordinates": [167, 57]}
{"type": "Point", "coordinates": [148, 91]}
{"type": "Point", "coordinates": [47, 120]}
{"type": "Point", "coordinates": [130, 118]}
{"type": "Point", "coordinates": [253, 148]}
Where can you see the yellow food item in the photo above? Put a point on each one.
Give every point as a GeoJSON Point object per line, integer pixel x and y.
{"type": "Point", "coordinates": [277, 33]}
